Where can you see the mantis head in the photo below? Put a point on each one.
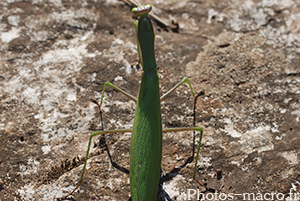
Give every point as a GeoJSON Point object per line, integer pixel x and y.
{"type": "Point", "coordinates": [142, 9]}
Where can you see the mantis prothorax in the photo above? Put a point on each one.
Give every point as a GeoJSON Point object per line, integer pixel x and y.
{"type": "Point", "coordinates": [146, 139]}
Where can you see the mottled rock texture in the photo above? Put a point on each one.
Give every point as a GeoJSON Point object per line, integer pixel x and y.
{"type": "Point", "coordinates": [56, 55]}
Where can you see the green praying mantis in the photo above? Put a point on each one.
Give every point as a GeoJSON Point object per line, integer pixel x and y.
{"type": "Point", "coordinates": [146, 139]}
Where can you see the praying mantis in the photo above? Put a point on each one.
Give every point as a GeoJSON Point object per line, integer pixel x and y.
{"type": "Point", "coordinates": [146, 139]}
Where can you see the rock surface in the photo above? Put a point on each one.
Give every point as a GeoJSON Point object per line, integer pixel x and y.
{"type": "Point", "coordinates": [56, 57]}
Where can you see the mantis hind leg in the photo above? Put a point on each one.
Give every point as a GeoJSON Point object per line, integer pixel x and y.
{"type": "Point", "coordinates": [87, 154]}
{"type": "Point", "coordinates": [198, 148]}
{"type": "Point", "coordinates": [197, 154]}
